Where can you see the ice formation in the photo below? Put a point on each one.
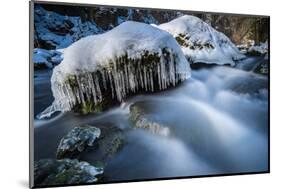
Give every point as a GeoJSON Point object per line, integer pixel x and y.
{"type": "Point", "coordinates": [200, 42]}
{"type": "Point", "coordinates": [129, 58]}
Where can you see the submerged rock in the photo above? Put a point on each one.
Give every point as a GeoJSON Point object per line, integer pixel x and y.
{"type": "Point", "coordinates": [77, 140]}
{"type": "Point", "coordinates": [131, 58]}
{"type": "Point", "coordinates": [141, 120]}
{"type": "Point", "coordinates": [48, 172]}
{"type": "Point", "coordinates": [201, 43]}
{"type": "Point", "coordinates": [110, 142]}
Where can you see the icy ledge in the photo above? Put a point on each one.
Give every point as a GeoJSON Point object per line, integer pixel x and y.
{"type": "Point", "coordinates": [133, 57]}
{"type": "Point", "coordinates": [201, 43]}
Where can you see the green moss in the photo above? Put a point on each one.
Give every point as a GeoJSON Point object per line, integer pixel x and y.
{"type": "Point", "coordinates": [71, 80]}
{"type": "Point", "coordinates": [90, 107]}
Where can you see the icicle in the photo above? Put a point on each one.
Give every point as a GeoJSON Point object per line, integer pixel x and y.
{"type": "Point", "coordinates": [151, 80]}
{"type": "Point", "coordinates": [98, 91]}
{"type": "Point", "coordinates": [103, 72]}
{"type": "Point", "coordinates": [145, 79]}
{"type": "Point", "coordinates": [94, 94]}
{"type": "Point", "coordinates": [134, 76]}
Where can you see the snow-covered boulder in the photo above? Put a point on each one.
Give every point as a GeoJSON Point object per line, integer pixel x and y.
{"type": "Point", "coordinates": [46, 58]}
{"type": "Point", "coordinates": [131, 58]}
{"type": "Point", "coordinates": [201, 43]}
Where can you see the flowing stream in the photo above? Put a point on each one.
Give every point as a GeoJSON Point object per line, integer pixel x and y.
{"type": "Point", "coordinates": [216, 122]}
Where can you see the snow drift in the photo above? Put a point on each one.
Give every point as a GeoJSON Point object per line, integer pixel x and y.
{"type": "Point", "coordinates": [129, 58]}
{"type": "Point", "coordinates": [200, 42]}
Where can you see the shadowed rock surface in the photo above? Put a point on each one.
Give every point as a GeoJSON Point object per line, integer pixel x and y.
{"type": "Point", "coordinates": [50, 172]}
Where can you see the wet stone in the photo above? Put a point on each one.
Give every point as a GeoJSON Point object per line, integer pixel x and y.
{"type": "Point", "coordinates": [77, 140]}
{"type": "Point", "coordinates": [52, 172]}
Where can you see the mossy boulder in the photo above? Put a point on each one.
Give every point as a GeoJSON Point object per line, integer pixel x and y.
{"type": "Point", "coordinates": [95, 75]}
{"type": "Point", "coordinates": [77, 140]}
{"type": "Point", "coordinates": [50, 172]}
{"type": "Point", "coordinates": [111, 141]}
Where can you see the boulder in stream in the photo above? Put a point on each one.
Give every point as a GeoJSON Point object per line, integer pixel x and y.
{"type": "Point", "coordinates": [99, 70]}
{"type": "Point", "coordinates": [141, 120]}
{"type": "Point", "coordinates": [50, 172]}
{"type": "Point", "coordinates": [77, 140]}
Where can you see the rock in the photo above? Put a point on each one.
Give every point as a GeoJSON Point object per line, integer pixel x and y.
{"type": "Point", "coordinates": [262, 68]}
{"type": "Point", "coordinates": [77, 140]}
{"type": "Point", "coordinates": [46, 58]}
{"type": "Point", "coordinates": [55, 31]}
{"type": "Point", "coordinates": [201, 43]}
{"type": "Point", "coordinates": [93, 71]}
{"type": "Point", "coordinates": [258, 50]}
{"type": "Point", "coordinates": [50, 172]}
{"type": "Point", "coordinates": [141, 120]}
{"type": "Point", "coordinates": [109, 144]}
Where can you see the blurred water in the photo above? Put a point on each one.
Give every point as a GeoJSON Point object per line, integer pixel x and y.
{"type": "Point", "coordinates": [218, 121]}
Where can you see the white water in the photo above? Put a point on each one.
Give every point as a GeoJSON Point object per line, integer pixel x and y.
{"type": "Point", "coordinates": [217, 120]}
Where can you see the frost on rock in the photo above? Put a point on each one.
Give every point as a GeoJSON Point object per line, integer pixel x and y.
{"type": "Point", "coordinates": [46, 58]}
{"type": "Point", "coordinates": [65, 171]}
{"type": "Point", "coordinates": [77, 140]}
{"type": "Point", "coordinates": [201, 43]}
{"type": "Point", "coordinates": [130, 58]}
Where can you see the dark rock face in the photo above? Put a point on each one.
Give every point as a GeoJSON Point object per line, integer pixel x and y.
{"type": "Point", "coordinates": [60, 172]}
{"type": "Point", "coordinates": [77, 140]}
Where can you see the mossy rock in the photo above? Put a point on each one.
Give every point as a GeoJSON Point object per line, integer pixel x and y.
{"type": "Point", "coordinates": [93, 103]}
{"type": "Point", "coordinates": [140, 119]}
{"type": "Point", "coordinates": [77, 140]}
{"type": "Point", "coordinates": [50, 172]}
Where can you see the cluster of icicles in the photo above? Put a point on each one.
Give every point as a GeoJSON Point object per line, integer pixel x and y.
{"type": "Point", "coordinates": [133, 76]}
